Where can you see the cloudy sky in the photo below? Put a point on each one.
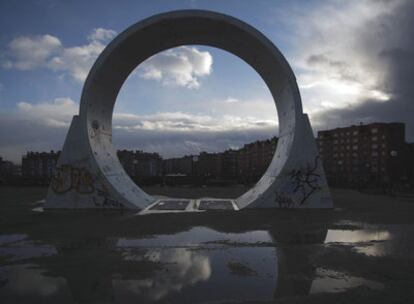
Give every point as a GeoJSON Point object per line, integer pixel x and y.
{"type": "Point", "coordinates": [354, 62]}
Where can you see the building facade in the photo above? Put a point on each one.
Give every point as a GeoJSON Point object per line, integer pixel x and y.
{"type": "Point", "coordinates": [373, 154]}
{"type": "Point", "coordinates": [9, 171]}
{"type": "Point", "coordinates": [141, 166]}
{"type": "Point", "coordinates": [254, 159]}
{"type": "Point", "coordinates": [39, 166]}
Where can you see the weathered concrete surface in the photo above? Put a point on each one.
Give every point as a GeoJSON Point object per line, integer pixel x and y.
{"type": "Point", "coordinates": [89, 173]}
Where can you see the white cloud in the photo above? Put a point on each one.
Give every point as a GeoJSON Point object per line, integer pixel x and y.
{"type": "Point", "coordinates": [28, 53]}
{"type": "Point", "coordinates": [43, 126]}
{"type": "Point", "coordinates": [78, 60]}
{"type": "Point", "coordinates": [220, 116]}
{"type": "Point", "coordinates": [187, 122]}
{"type": "Point", "coordinates": [57, 113]}
{"type": "Point", "coordinates": [101, 34]}
{"type": "Point", "coordinates": [231, 100]}
{"type": "Point", "coordinates": [182, 66]}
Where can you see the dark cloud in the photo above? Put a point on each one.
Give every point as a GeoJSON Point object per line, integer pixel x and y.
{"type": "Point", "coordinates": [389, 41]}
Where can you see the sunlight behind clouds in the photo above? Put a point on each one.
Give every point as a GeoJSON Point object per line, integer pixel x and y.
{"type": "Point", "coordinates": [337, 66]}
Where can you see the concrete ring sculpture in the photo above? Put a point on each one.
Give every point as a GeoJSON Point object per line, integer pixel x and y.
{"type": "Point", "coordinates": [91, 130]}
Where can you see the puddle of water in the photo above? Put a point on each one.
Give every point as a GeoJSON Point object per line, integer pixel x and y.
{"type": "Point", "coordinates": [356, 236]}
{"type": "Point", "coordinates": [11, 238]}
{"type": "Point", "coordinates": [180, 268]}
{"type": "Point", "coordinates": [16, 247]}
{"type": "Point", "coordinates": [332, 281]}
{"type": "Point", "coordinates": [192, 266]}
{"type": "Point", "coordinates": [384, 240]}
{"type": "Point", "coordinates": [27, 283]}
{"type": "Point", "coordinates": [399, 244]}
{"type": "Point", "coordinates": [38, 209]}
{"type": "Point", "coordinates": [202, 276]}
{"type": "Point", "coordinates": [195, 237]}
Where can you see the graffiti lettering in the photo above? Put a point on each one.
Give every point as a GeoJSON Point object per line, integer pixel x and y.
{"type": "Point", "coordinates": [68, 178]}
{"type": "Point", "coordinates": [283, 200]}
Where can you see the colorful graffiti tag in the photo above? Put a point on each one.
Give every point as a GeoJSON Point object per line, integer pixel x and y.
{"type": "Point", "coordinates": [68, 178]}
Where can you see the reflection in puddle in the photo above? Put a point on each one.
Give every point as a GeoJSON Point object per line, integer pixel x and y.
{"type": "Point", "coordinates": [191, 265]}
{"type": "Point", "coordinates": [195, 237]}
{"type": "Point", "coordinates": [17, 247]}
{"type": "Point", "coordinates": [332, 281]}
{"type": "Point", "coordinates": [23, 283]}
{"type": "Point", "coordinates": [181, 268]}
{"type": "Point", "coordinates": [399, 243]}
{"type": "Point", "coordinates": [11, 238]}
{"type": "Point", "coordinates": [356, 236]}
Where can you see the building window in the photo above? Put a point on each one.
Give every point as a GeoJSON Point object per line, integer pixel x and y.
{"type": "Point", "coordinates": [355, 133]}
{"type": "Point", "coordinates": [374, 153]}
{"type": "Point", "coordinates": [374, 146]}
{"type": "Point", "coordinates": [374, 138]}
{"type": "Point", "coordinates": [374, 130]}
{"type": "Point", "coordinates": [355, 147]}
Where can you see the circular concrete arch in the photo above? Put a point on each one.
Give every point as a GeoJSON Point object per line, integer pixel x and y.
{"type": "Point", "coordinates": [164, 31]}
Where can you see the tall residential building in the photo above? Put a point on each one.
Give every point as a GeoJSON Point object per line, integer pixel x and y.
{"type": "Point", "coordinates": [39, 165]}
{"type": "Point", "coordinates": [141, 165]}
{"type": "Point", "coordinates": [254, 159]}
{"type": "Point", "coordinates": [373, 154]}
{"type": "Point", "coordinates": [183, 165]}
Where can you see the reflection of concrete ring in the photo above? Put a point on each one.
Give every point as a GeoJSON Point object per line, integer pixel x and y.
{"type": "Point", "coordinates": [168, 30]}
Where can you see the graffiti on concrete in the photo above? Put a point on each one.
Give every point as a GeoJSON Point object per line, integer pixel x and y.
{"type": "Point", "coordinates": [103, 199]}
{"type": "Point", "coordinates": [68, 178]}
{"type": "Point", "coordinates": [283, 200]}
{"type": "Point", "coordinates": [306, 181]}
{"type": "Point", "coordinates": [106, 202]}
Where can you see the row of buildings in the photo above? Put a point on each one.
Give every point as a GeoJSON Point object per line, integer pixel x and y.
{"type": "Point", "coordinates": [245, 165]}
{"type": "Point", "coordinates": [360, 155]}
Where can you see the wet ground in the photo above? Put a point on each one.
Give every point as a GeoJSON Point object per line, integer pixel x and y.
{"type": "Point", "coordinates": [360, 252]}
